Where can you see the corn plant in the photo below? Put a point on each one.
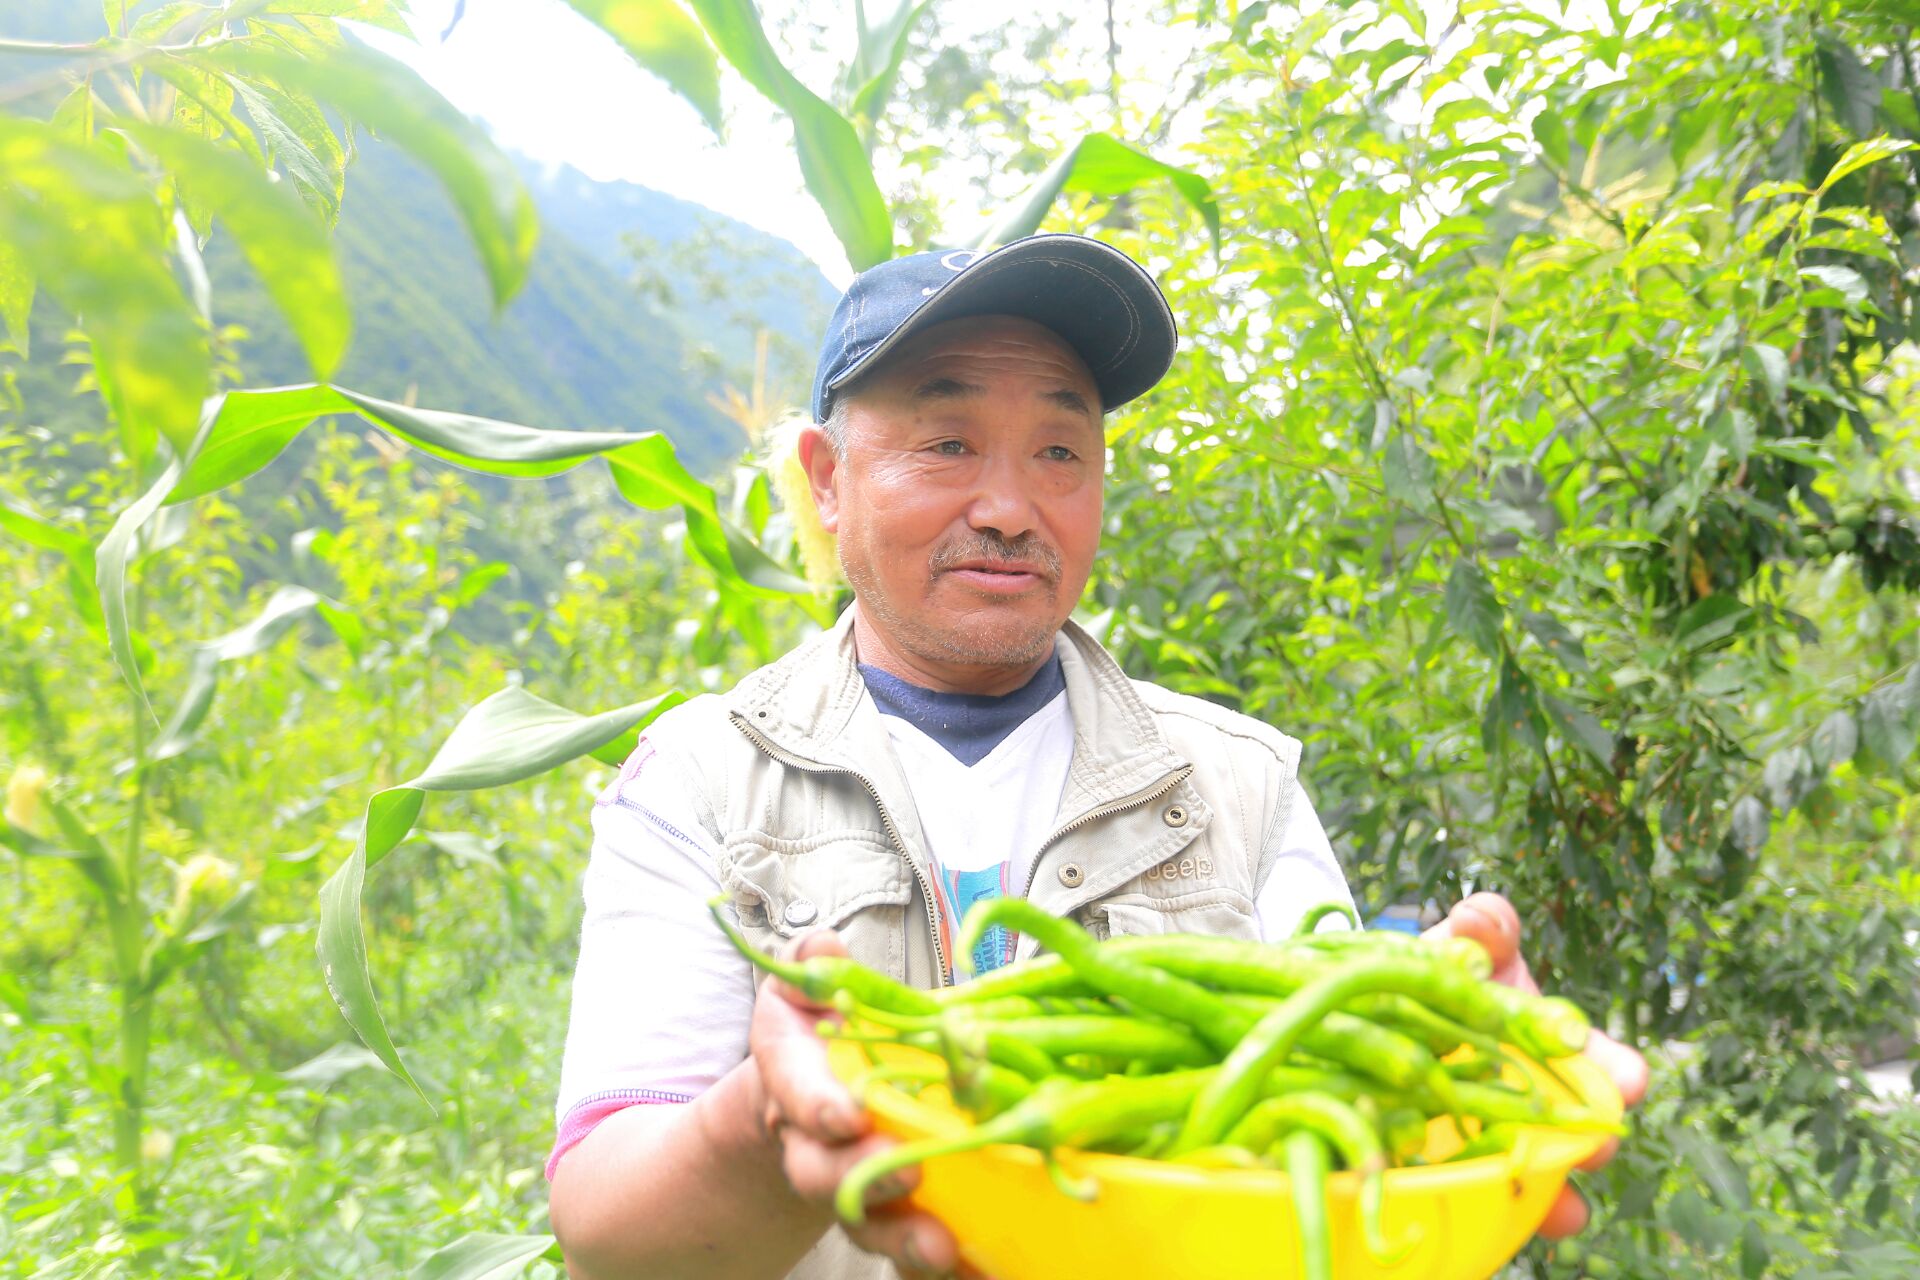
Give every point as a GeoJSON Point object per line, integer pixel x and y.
{"type": "Point", "coordinates": [117, 163]}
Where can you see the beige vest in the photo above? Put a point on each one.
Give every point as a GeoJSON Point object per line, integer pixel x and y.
{"type": "Point", "coordinates": [1168, 822]}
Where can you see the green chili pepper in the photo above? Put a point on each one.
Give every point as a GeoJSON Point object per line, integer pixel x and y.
{"type": "Point", "coordinates": [1310, 922]}
{"type": "Point", "coordinates": [1493, 1140]}
{"type": "Point", "coordinates": [1140, 985]}
{"type": "Point", "coordinates": [1342, 1126]}
{"type": "Point", "coordinates": [1308, 1163]}
{"type": "Point", "coordinates": [1058, 1113]}
{"type": "Point", "coordinates": [1228, 1096]}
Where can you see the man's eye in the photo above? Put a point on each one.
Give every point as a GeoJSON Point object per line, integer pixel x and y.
{"type": "Point", "coordinates": [952, 448]}
{"type": "Point", "coordinates": [1057, 453]}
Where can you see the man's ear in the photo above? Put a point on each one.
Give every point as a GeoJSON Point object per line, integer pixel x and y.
{"type": "Point", "coordinates": [822, 468]}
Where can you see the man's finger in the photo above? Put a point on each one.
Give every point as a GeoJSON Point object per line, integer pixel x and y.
{"type": "Point", "coordinates": [815, 1168]}
{"type": "Point", "coordinates": [1568, 1216]}
{"type": "Point", "coordinates": [801, 1089]}
{"type": "Point", "coordinates": [1489, 920]}
{"type": "Point", "coordinates": [814, 942]}
{"type": "Point", "coordinates": [1623, 1063]}
{"type": "Point", "coordinates": [916, 1241]}
{"type": "Point", "coordinates": [1600, 1157]}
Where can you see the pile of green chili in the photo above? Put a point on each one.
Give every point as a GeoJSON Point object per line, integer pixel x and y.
{"type": "Point", "coordinates": [1331, 1050]}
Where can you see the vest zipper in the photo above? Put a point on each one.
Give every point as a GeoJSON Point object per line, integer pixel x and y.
{"type": "Point", "coordinates": [886, 819]}
{"type": "Point", "coordinates": [1133, 801]}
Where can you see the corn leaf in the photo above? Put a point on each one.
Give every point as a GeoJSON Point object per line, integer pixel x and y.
{"type": "Point", "coordinates": [486, 1255]}
{"type": "Point", "coordinates": [660, 36]}
{"type": "Point", "coordinates": [507, 737]}
{"type": "Point", "coordinates": [282, 611]}
{"type": "Point", "coordinates": [1102, 166]}
{"type": "Point", "coordinates": [252, 427]}
{"type": "Point", "coordinates": [833, 160]}
{"type": "Point", "coordinates": [883, 46]}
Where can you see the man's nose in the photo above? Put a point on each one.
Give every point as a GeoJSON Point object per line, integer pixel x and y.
{"type": "Point", "coordinates": [1003, 501]}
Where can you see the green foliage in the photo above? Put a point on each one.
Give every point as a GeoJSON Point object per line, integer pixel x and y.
{"type": "Point", "coordinates": [1543, 467]}
{"type": "Point", "coordinates": [1541, 451]}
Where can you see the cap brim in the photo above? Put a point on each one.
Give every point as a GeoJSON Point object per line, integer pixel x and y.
{"type": "Point", "coordinates": [1100, 302]}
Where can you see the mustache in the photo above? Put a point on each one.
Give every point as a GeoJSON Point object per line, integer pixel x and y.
{"type": "Point", "coordinates": [986, 545]}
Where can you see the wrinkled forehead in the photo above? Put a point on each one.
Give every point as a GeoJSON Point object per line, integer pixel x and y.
{"type": "Point", "coordinates": [982, 349]}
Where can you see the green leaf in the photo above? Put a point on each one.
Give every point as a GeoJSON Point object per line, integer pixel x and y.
{"type": "Point", "coordinates": [1513, 713]}
{"type": "Point", "coordinates": [1835, 740]}
{"type": "Point", "coordinates": [505, 738]}
{"type": "Point", "coordinates": [110, 575]}
{"type": "Point", "coordinates": [1750, 824]}
{"type": "Point", "coordinates": [660, 36]}
{"type": "Point", "coordinates": [1846, 83]}
{"type": "Point", "coordinates": [250, 428]}
{"type": "Point", "coordinates": [1550, 131]}
{"type": "Point", "coordinates": [484, 1255]}
{"type": "Point", "coordinates": [1770, 363]}
{"type": "Point", "coordinates": [1788, 775]}
{"type": "Point", "coordinates": [285, 244]}
{"type": "Point", "coordinates": [389, 98]}
{"type": "Point", "coordinates": [1580, 728]}
{"type": "Point", "coordinates": [18, 518]}
{"type": "Point", "coordinates": [1708, 621]}
{"type": "Point", "coordinates": [1844, 281]}
{"type": "Point", "coordinates": [1714, 1167]}
{"type": "Point", "coordinates": [1557, 640]}
{"type": "Point", "coordinates": [1473, 610]}
{"type": "Point", "coordinates": [1406, 471]}
{"type": "Point", "coordinates": [286, 607]}
{"type": "Point", "coordinates": [1103, 166]}
{"type": "Point", "coordinates": [883, 46]}
{"type": "Point", "coordinates": [833, 161]}
{"type": "Point", "coordinates": [16, 300]}
{"type": "Point", "coordinates": [385, 14]}
{"type": "Point", "coordinates": [1861, 154]}
{"type": "Point", "coordinates": [1885, 727]}
{"type": "Point", "coordinates": [100, 244]}
{"type": "Point", "coordinates": [294, 133]}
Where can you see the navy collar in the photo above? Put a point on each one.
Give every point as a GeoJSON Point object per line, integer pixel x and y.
{"type": "Point", "coordinates": [968, 725]}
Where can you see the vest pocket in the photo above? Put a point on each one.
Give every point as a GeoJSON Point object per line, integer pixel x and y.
{"type": "Point", "coordinates": [852, 881]}
{"type": "Point", "coordinates": [1221, 913]}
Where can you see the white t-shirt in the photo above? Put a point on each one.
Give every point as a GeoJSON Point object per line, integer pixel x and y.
{"type": "Point", "coordinates": [661, 1001]}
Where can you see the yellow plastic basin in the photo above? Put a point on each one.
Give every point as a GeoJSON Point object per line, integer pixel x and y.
{"type": "Point", "coordinates": [1158, 1221]}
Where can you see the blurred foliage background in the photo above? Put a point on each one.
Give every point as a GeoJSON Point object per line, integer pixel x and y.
{"type": "Point", "coordinates": [1543, 451]}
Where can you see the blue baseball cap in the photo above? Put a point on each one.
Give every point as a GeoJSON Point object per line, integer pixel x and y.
{"type": "Point", "coordinates": [1099, 301]}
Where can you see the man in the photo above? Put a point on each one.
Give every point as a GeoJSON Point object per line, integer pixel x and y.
{"type": "Point", "coordinates": [954, 737]}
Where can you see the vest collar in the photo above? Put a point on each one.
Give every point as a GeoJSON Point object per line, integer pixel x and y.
{"type": "Point", "coordinates": [810, 705]}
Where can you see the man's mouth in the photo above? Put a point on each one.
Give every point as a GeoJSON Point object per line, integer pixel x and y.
{"type": "Point", "coordinates": [1000, 577]}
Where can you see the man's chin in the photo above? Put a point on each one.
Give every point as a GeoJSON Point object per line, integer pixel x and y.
{"type": "Point", "coordinates": [984, 640]}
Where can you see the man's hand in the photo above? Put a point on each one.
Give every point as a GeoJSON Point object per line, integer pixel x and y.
{"type": "Point", "coordinates": [821, 1129]}
{"type": "Point", "coordinates": [1490, 920]}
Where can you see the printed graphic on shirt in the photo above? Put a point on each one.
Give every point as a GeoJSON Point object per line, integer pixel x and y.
{"type": "Point", "coordinates": [965, 889]}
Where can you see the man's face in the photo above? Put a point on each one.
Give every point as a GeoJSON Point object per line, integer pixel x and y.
{"type": "Point", "coordinates": [967, 494]}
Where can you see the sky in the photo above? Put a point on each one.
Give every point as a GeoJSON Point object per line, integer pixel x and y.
{"type": "Point", "coordinates": [550, 85]}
